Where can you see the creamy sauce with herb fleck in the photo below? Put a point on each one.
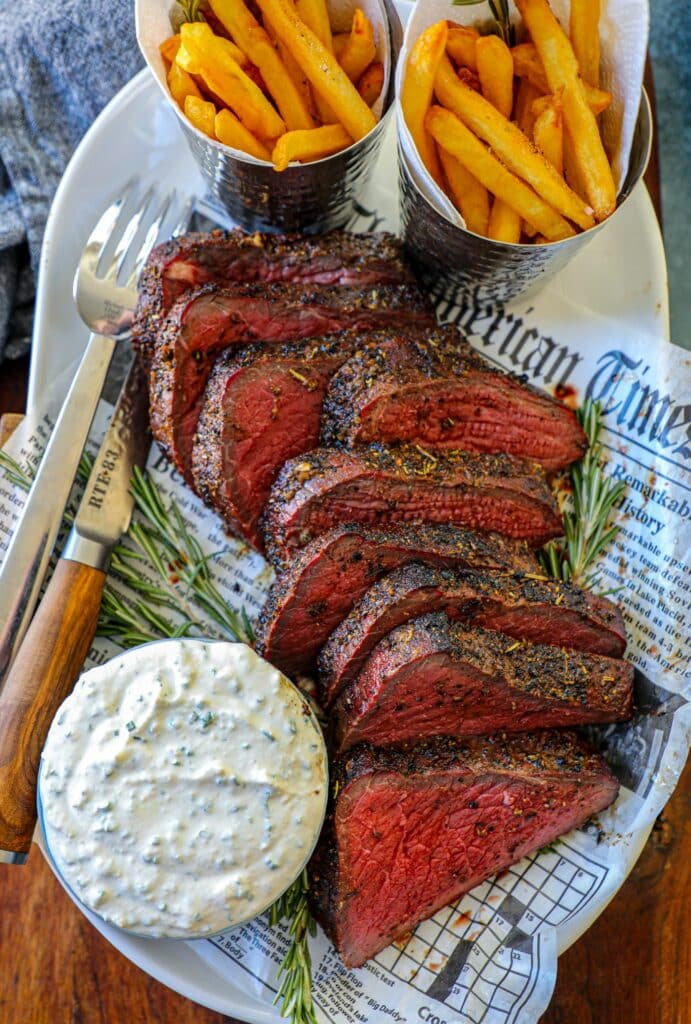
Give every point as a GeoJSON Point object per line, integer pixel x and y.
{"type": "Point", "coordinates": [183, 786]}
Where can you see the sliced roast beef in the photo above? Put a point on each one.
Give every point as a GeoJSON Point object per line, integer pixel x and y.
{"type": "Point", "coordinates": [410, 830]}
{"type": "Point", "coordinates": [439, 394]}
{"type": "Point", "coordinates": [219, 257]}
{"type": "Point", "coordinates": [381, 485]}
{"type": "Point", "coordinates": [262, 406]}
{"type": "Point", "coordinates": [436, 676]}
{"type": "Point", "coordinates": [324, 580]}
{"type": "Point", "coordinates": [527, 608]}
{"type": "Point", "coordinates": [203, 323]}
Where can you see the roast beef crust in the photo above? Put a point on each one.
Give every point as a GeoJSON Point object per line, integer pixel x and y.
{"type": "Point", "coordinates": [476, 589]}
{"type": "Point", "coordinates": [304, 477]}
{"type": "Point", "coordinates": [443, 543]}
{"type": "Point", "coordinates": [442, 357]}
{"type": "Point", "coordinates": [547, 755]}
{"type": "Point", "coordinates": [222, 257]}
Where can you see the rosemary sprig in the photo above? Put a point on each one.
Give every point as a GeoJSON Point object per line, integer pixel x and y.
{"type": "Point", "coordinates": [191, 10]}
{"type": "Point", "coordinates": [158, 544]}
{"type": "Point", "coordinates": [586, 524]}
{"type": "Point", "coordinates": [500, 13]}
{"type": "Point", "coordinates": [295, 973]}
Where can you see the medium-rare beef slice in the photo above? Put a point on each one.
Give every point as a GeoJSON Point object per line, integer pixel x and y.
{"type": "Point", "coordinates": [262, 406]}
{"type": "Point", "coordinates": [189, 261]}
{"type": "Point", "coordinates": [203, 323]}
{"type": "Point", "coordinates": [411, 829]}
{"type": "Point", "coordinates": [528, 608]}
{"type": "Point", "coordinates": [317, 589]}
{"type": "Point", "coordinates": [438, 393]}
{"type": "Point", "coordinates": [381, 485]}
{"type": "Point", "coordinates": [435, 676]}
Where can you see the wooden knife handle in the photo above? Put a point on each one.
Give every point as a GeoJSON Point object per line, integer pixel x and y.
{"type": "Point", "coordinates": [43, 673]}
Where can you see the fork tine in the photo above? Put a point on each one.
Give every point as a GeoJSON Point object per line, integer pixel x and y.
{"type": "Point", "coordinates": [152, 237]}
{"type": "Point", "coordinates": [125, 245]}
{"type": "Point", "coordinates": [110, 225]}
{"type": "Point", "coordinates": [184, 218]}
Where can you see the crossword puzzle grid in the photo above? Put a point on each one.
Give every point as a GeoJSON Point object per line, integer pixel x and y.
{"type": "Point", "coordinates": [484, 944]}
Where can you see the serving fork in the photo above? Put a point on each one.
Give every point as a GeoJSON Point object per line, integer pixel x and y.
{"type": "Point", "coordinates": [105, 291]}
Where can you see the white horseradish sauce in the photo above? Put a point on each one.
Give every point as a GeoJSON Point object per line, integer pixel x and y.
{"type": "Point", "coordinates": [183, 786]}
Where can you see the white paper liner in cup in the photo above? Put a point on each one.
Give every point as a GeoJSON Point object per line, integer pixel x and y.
{"type": "Point", "coordinates": [454, 261]}
{"type": "Point", "coordinates": [311, 197]}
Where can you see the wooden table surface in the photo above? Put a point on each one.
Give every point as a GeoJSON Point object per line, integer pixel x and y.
{"type": "Point", "coordinates": [633, 965]}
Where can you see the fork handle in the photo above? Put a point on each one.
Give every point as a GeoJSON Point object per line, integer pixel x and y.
{"type": "Point", "coordinates": [42, 675]}
{"type": "Point", "coordinates": [27, 557]}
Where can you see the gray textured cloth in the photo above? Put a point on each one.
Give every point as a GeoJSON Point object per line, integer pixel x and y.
{"type": "Point", "coordinates": [60, 63]}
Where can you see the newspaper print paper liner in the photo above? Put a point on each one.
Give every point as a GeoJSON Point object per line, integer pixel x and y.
{"type": "Point", "coordinates": [624, 41]}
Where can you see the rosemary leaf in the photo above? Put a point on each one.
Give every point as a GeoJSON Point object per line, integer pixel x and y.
{"type": "Point", "coordinates": [500, 13]}
{"type": "Point", "coordinates": [587, 531]}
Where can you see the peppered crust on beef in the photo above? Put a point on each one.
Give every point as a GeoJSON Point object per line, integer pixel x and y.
{"type": "Point", "coordinates": [437, 392]}
{"type": "Point", "coordinates": [262, 406]}
{"type": "Point", "coordinates": [205, 322]}
{"type": "Point", "coordinates": [433, 676]}
{"type": "Point", "coordinates": [529, 607]}
{"type": "Point", "coordinates": [411, 828]}
{"type": "Point", "coordinates": [323, 581]}
{"type": "Point", "coordinates": [218, 257]}
{"type": "Point", "coordinates": [381, 485]}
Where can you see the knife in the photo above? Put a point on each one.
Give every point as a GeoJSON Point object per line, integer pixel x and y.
{"type": "Point", "coordinates": [57, 642]}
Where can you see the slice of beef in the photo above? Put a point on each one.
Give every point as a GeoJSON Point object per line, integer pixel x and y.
{"type": "Point", "coordinates": [527, 608]}
{"type": "Point", "coordinates": [262, 406]}
{"type": "Point", "coordinates": [438, 393]}
{"type": "Point", "coordinates": [381, 485]}
{"type": "Point", "coordinates": [203, 323]}
{"type": "Point", "coordinates": [411, 829]}
{"type": "Point", "coordinates": [324, 580]}
{"type": "Point", "coordinates": [219, 257]}
{"type": "Point", "coordinates": [435, 676]}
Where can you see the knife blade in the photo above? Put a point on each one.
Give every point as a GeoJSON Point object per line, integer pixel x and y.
{"type": "Point", "coordinates": [57, 642]}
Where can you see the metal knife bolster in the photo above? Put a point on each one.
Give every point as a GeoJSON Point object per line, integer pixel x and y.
{"type": "Point", "coordinates": [106, 506]}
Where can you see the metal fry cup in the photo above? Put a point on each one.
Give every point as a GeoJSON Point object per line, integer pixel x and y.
{"type": "Point", "coordinates": [455, 263]}
{"type": "Point", "coordinates": [312, 197]}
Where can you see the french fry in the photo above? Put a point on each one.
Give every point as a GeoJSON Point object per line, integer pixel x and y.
{"type": "Point", "coordinates": [561, 68]}
{"type": "Point", "coordinates": [298, 76]}
{"type": "Point", "coordinates": [371, 83]}
{"type": "Point", "coordinates": [339, 41]}
{"type": "Point", "coordinates": [202, 53]}
{"type": "Point", "coordinates": [495, 71]}
{"type": "Point", "coordinates": [510, 145]}
{"type": "Point", "coordinates": [548, 134]}
{"type": "Point", "coordinates": [504, 223]}
{"type": "Point", "coordinates": [253, 39]}
{"type": "Point", "coordinates": [315, 15]}
{"type": "Point", "coordinates": [232, 132]}
{"type": "Point", "coordinates": [312, 144]}
{"type": "Point", "coordinates": [169, 47]}
{"type": "Point", "coordinates": [460, 46]}
{"type": "Point", "coordinates": [359, 50]}
{"type": "Point", "coordinates": [470, 78]}
{"type": "Point", "coordinates": [571, 171]}
{"type": "Point", "coordinates": [418, 87]}
{"type": "Point", "coordinates": [584, 32]}
{"type": "Point", "coordinates": [202, 114]}
{"type": "Point", "coordinates": [453, 136]}
{"type": "Point", "coordinates": [181, 85]}
{"type": "Point", "coordinates": [328, 79]}
{"type": "Point", "coordinates": [471, 198]}
{"type": "Point", "coordinates": [527, 64]}
{"type": "Point", "coordinates": [526, 94]}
